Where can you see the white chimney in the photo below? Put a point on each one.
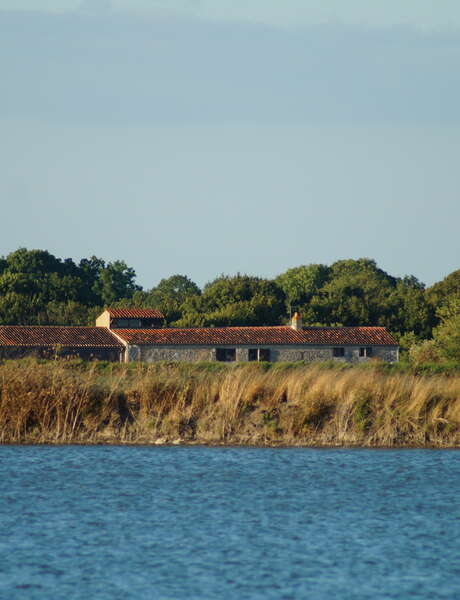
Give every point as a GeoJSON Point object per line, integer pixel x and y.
{"type": "Point", "coordinates": [296, 322]}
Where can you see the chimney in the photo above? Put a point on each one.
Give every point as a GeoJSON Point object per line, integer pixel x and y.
{"type": "Point", "coordinates": [296, 322]}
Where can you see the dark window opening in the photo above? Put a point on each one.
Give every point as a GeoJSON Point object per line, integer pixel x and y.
{"type": "Point", "coordinates": [225, 354]}
{"type": "Point", "coordinates": [151, 323]}
{"type": "Point", "coordinates": [126, 324]}
{"type": "Point", "coordinates": [120, 323]}
{"type": "Point", "coordinates": [365, 352]}
{"type": "Point", "coordinates": [264, 354]}
{"type": "Point", "coordinates": [338, 352]}
{"type": "Point", "coordinates": [259, 354]}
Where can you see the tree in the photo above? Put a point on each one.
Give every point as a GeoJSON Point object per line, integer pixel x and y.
{"type": "Point", "coordinates": [357, 293]}
{"type": "Point", "coordinates": [168, 297]}
{"type": "Point", "coordinates": [66, 313]}
{"type": "Point", "coordinates": [34, 262]}
{"type": "Point", "coordinates": [18, 309]}
{"type": "Point", "coordinates": [116, 281]}
{"type": "Point", "coordinates": [37, 287]}
{"type": "Point", "coordinates": [300, 284]}
{"type": "Point", "coordinates": [440, 293]}
{"type": "Point", "coordinates": [447, 333]}
{"type": "Point", "coordinates": [170, 294]}
{"type": "Point", "coordinates": [31, 279]}
{"type": "Point", "coordinates": [90, 272]}
{"type": "Point", "coordinates": [410, 309]}
{"type": "Point", "coordinates": [237, 300]}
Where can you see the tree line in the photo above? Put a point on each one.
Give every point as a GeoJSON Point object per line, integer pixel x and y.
{"type": "Point", "coordinates": [38, 288]}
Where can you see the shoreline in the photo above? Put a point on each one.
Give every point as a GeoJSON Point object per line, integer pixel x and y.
{"type": "Point", "coordinates": [252, 405]}
{"type": "Point", "coordinates": [201, 444]}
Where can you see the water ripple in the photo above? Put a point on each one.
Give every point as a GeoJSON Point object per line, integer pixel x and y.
{"type": "Point", "coordinates": [206, 523]}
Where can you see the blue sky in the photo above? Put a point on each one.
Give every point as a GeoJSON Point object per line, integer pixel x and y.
{"type": "Point", "coordinates": [428, 14]}
{"type": "Point", "coordinates": [204, 137]}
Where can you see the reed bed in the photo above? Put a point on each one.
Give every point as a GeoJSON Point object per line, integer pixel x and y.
{"type": "Point", "coordinates": [245, 404]}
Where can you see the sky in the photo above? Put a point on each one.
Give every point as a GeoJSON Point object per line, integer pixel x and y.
{"type": "Point", "coordinates": [201, 137]}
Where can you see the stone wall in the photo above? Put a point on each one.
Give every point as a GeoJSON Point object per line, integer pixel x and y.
{"type": "Point", "coordinates": [294, 354]}
{"type": "Point", "coordinates": [109, 354]}
{"type": "Point", "coordinates": [321, 353]}
{"type": "Point", "coordinates": [277, 353]}
{"type": "Point", "coordinates": [387, 353]}
{"type": "Point", "coordinates": [172, 353]}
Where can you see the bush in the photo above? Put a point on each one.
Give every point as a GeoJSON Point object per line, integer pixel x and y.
{"type": "Point", "coordinates": [425, 352]}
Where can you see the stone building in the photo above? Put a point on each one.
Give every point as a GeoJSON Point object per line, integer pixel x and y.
{"type": "Point", "coordinates": [42, 341]}
{"type": "Point", "coordinates": [136, 335]}
{"type": "Point", "coordinates": [130, 318]}
{"type": "Point", "coordinates": [276, 343]}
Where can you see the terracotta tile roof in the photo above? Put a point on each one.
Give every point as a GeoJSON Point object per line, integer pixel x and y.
{"type": "Point", "coordinates": [215, 336]}
{"type": "Point", "coordinates": [42, 336]}
{"type": "Point", "coordinates": [135, 313]}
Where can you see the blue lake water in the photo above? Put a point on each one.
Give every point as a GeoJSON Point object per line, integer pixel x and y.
{"type": "Point", "coordinates": [209, 523]}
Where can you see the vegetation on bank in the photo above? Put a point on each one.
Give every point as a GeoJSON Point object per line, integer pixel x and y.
{"type": "Point", "coordinates": [214, 403]}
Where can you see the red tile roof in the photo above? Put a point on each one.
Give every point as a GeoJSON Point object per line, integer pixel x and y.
{"type": "Point", "coordinates": [135, 313]}
{"type": "Point", "coordinates": [215, 336]}
{"type": "Point", "coordinates": [42, 336]}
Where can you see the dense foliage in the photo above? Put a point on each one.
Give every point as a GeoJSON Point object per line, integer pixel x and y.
{"type": "Point", "coordinates": [39, 288]}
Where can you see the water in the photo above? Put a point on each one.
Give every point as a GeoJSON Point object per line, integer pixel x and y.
{"type": "Point", "coordinates": [224, 523]}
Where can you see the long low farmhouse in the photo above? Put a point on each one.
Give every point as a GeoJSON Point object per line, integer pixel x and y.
{"type": "Point", "coordinates": [135, 335]}
{"type": "Point", "coordinates": [44, 341]}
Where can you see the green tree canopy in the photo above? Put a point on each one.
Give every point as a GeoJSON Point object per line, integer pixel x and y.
{"type": "Point", "coordinates": [168, 296]}
{"type": "Point", "coordinates": [235, 300]}
{"type": "Point", "coordinates": [116, 281]}
{"type": "Point", "coordinates": [442, 292]}
{"type": "Point", "coordinates": [356, 293]}
{"type": "Point", "coordinates": [410, 310]}
{"type": "Point", "coordinates": [447, 333]}
{"type": "Point", "coordinates": [300, 284]}
{"type": "Point", "coordinates": [39, 288]}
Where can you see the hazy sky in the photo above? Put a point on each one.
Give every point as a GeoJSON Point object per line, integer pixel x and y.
{"type": "Point", "coordinates": [421, 13]}
{"type": "Point", "coordinates": [201, 137]}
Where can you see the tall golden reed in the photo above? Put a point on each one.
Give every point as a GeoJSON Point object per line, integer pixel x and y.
{"type": "Point", "coordinates": [73, 402]}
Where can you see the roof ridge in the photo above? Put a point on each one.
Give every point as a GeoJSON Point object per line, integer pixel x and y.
{"type": "Point", "coordinates": [58, 326]}
{"type": "Point", "coordinates": [226, 327]}
{"type": "Point", "coordinates": [344, 327]}
{"type": "Point", "coordinates": [230, 327]}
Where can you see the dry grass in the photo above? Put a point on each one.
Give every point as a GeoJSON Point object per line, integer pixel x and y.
{"type": "Point", "coordinates": [65, 402]}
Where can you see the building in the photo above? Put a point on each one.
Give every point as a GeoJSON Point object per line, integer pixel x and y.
{"type": "Point", "coordinates": [136, 335]}
{"type": "Point", "coordinates": [276, 343]}
{"type": "Point", "coordinates": [130, 318]}
{"type": "Point", "coordinates": [43, 341]}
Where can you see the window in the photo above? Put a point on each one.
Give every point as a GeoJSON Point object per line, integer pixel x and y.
{"type": "Point", "coordinates": [365, 352]}
{"type": "Point", "coordinates": [121, 323]}
{"type": "Point", "coordinates": [252, 354]}
{"type": "Point", "coordinates": [259, 354]}
{"type": "Point", "coordinates": [225, 354]}
{"type": "Point", "coordinates": [150, 323]}
{"type": "Point", "coordinates": [264, 354]}
{"type": "Point", "coordinates": [126, 324]}
{"type": "Point", "coordinates": [338, 352]}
